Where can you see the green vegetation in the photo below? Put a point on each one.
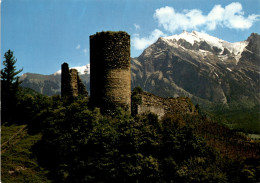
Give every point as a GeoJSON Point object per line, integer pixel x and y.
{"type": "Point", "coordinates": [66, 141]}
{"type": "Point", "coordinates": [9, 86]}
{"type": "Point", "coordinates": [237, 117]}
{"type": "Point", "coordinates": [111, 32]}
{"type": "Point", "coordinates": [8, 131]}
{"type": "Point", "coordinates": [136, 99]}
{"type": "Point", "coordinates": [18, 162]}
{"type": "Point", "coordinates": [45, 84]}
{"type": "Point", "coordinates": [80, 145]}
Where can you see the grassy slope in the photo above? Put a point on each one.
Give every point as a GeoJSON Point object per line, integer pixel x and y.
{"type": "Point", "coordinates": [18, 163]}
{"type": "Point", "coordinates": [8, 131]}
{"type": "Point", "coordinates": [239, 118]}
{"type": "Point", "coordinates": [228, 142]}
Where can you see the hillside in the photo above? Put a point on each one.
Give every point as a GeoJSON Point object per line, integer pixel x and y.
{"type": "Point", "coordinates": [44, 84]}
{"type": "Point", "coordinates": [48, 84]}
{"type": "Point", "coordinates": [18, 164]}
{"type": "Point", "coordinates": [71, 143]}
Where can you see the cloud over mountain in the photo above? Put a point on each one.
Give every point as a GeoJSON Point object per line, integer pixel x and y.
{"type": "Point", "coordinates": [142, 42]}
{"type": "Point", "coordinates": [231, 16]}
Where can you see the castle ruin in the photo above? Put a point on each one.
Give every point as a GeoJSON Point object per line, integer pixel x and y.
{"type": "Point", "coordinates": [110, 78]}
{"type": "Point", "coordinates": [161, 106]}
{"type": "Point", "coordinates": [71, 84]}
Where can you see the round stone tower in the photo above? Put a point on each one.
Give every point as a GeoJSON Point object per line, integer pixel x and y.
{"type": "Point", "coordinates": [110, 74]}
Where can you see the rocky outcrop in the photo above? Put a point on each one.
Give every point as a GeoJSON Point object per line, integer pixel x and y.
{"type": "Point", "coordinates": [208, 70]}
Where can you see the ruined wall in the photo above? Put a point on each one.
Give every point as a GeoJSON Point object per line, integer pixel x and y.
{"type": "Point", "coordinates": [71, 84]}
{"type": "Point", "coordinates": [158, 110]}
{"type": "Point", "coordinates": [161, 106]}
{"type": "Point", "coordinates": [110, 78]}
{"type": "Point", "coordinates": [74, 82]}
{"type": "Point", "coordinates": [66, 89]}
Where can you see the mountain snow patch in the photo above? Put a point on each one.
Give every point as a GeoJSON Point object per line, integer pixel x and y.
{"type": "Point", "coordinates": [229, 69]}
{"type": "Point", "coordinates": [197, 37]}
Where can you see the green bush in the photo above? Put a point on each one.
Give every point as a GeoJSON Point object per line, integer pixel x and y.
{"type": "Point", "coordinates": [79, 145]}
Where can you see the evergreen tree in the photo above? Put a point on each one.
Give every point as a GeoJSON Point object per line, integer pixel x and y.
{"type": "Point", "coordinates": [9, 85]}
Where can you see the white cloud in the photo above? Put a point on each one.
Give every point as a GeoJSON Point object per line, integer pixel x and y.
{"type": "Point", "coordinates": [215, 17]}
{"type": "Point", "coordinates": [141, 43]}
{"type": "Point", "coordinates": [234, 17]}
{"type": "Point", "coordinates": [78, 47]}
{"type": "Point", "coordinates": [137, 26]}
{"type": "Point", "coordinates": [85, 51]}
{"type": "Point", "coordinates": [231, 16]}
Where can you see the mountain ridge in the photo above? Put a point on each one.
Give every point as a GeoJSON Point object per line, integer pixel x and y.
{"type": "Point", "coordinates": [202, 71]}
{"type": "Point", "coordinates": [176, 66]}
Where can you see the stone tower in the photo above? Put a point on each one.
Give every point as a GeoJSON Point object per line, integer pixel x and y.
{"type": "Point", "coordinates": [66, 89]}
{"type": "Point", "coordinates": [71, 84]}
{"type": "Point", "coordinates": [74, 82]}
{"type": "Point", "coordinates": [110, 74]}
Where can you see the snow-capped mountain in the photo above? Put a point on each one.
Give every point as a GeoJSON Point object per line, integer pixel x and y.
{"type": "Point", "coordinates": [201, 66]}
{"type": "Point", "coordinates": [216, 44]}
{"type": "Point", "coordinates": [85, 69]}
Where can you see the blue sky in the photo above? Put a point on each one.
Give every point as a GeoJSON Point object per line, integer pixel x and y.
{"type": "Point", "coordinates": [45, 33]}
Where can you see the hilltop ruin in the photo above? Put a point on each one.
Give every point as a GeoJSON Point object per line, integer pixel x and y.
{"type": "Point", "coordinates": [110, 80]}
{"type": "Point", "coordinates": [161, 106]}
{"type": "Point", "coordinates": [71, 84]}
{"type": "Point", "coordinates": [110, 71]}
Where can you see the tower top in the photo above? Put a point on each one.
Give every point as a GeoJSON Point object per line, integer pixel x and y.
{"type": "Point", "coordinates": [109, 33]}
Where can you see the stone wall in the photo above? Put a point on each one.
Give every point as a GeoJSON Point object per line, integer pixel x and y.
{"type": "Point", "coordinates": [110, 78]}
{"type": "Point", "coordinates": [162, 106]}
{"type": "Point", "coordinates": [74, 82]}
{"type": "Point", "coordinates": [158, 110]}
{"type": "Point", "coordinates": [66, 89]}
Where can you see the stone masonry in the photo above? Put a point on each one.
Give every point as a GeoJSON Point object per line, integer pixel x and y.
{"type": "Point", "coordinates": [74, 82]}
{"type": "Point", "coordinates": [110, 78]}
{"type": "Point", "coordinates": [66, 89]}
{"type": "Point", "coordinates": [162, 106]}
{"type": "Point", "coordinates": [71, 84]}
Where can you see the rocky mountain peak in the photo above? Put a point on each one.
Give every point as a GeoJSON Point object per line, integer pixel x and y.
{"type": "Point", "coordinates": [254, 43]}
{"type": "Point", "coordinates": [200, 66]}
{"type": "Point", "coordinates": [253, 37]}
{"type": "Point", "coordinates": [202, 42]}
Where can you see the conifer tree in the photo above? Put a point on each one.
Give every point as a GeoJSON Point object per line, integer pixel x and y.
{"type": "Point", "coordinates": [9, 86]}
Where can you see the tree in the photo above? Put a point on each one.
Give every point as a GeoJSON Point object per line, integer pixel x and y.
{"type": "Point", "coordinates": [136, 99]}
{"type": "Point", "coordinates": [10, 85]}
